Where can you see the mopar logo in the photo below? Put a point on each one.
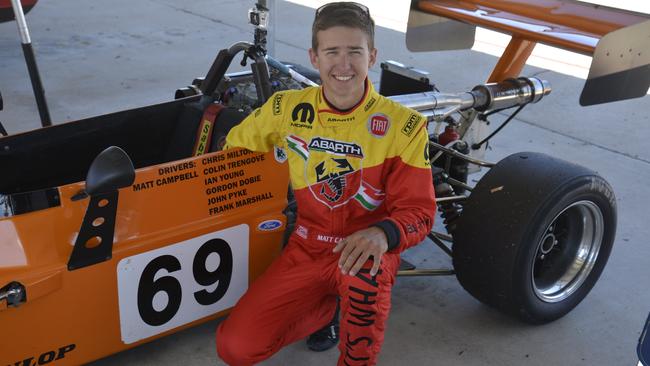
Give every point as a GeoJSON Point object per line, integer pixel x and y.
{"type": "Point", "coordinates": [304, 112]}
{"type": "Point", "coordinates": [269, 225]}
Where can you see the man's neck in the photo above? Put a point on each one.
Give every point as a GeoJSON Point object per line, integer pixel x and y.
{"type": "Point", "coordinates": [344, 104]}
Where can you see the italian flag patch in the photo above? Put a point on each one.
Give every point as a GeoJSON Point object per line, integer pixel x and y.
{"type": "Point", "coordinates": [299, 146]}
{"type": "Point", "coordinates": [369, 197]}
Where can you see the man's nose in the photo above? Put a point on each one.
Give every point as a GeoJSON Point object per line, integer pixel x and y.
{"type": "Point", "coordinates": [343, 61]}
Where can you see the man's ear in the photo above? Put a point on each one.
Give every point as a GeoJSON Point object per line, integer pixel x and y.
{"type": "Point", "coordinates": [372, 57]}
{"type": "Point", "coordinates": [313, 58]}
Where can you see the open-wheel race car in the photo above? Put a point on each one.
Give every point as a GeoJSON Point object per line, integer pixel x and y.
{"type": "Point", "coordinates": [137, 224]}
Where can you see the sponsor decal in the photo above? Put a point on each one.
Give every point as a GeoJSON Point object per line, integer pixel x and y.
{"type": "Point", "coordinates": [301, 125]}
{"type": "Point", "coordinates": [427, 160]}
{"type": "Point", "coordinates": [303, 112]}
{"type": "Point", "coordinates": [47, 357]}
{"type": "Point", "coordinates": [333, 180]}
{"type": "Point", "coordinates": [277, 104]}
{"type": "Point", "coordinates": [334, 177]}
{"type": "Point", "coordinates": [341, 119]}
{"type": "Point", "coordinates": [335, 147]}
{"type": "Point", "coordinates": [302, 231]}
{"type": "Point", "coordinates": [333, 171]}
{"type": "Point", "coordinates": [280, 155]}
{"type": "Point", "coordinates": [411, 124]}
{"type": "Point", "coordinates": [269, 225]}
{"type": "Point", "coordinates": [370, 103]}
{"type": "Point", "coordinates": [362, 313]}
{"type": "Point", "coordinates": [378, 124]}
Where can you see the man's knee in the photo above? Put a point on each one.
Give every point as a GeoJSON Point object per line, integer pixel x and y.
{"type": "Point", "coordinates": [233, 347]}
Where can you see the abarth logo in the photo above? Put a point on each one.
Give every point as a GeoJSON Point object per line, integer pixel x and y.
{"type": "Point", "coordinates": [332, 173]}
{"type": "Point", "coordinates": [341, 119]}
{"type": "Point", "coordinates": [335, 147]}
{"type": "Point", "coordinates": [303, 112]}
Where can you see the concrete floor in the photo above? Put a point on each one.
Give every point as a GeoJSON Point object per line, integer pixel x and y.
{"type": "Point", "coordinates": [96, 57]}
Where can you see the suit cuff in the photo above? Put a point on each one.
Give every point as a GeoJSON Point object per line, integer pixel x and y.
{"type": "Point", "coordinates": [392, 232]}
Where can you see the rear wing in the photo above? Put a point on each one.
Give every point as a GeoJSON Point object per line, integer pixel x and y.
{"type": "Point", "coordinates": [618, 40]}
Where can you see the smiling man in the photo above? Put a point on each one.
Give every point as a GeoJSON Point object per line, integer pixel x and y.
{"type": "Point", "coordinates": [362, 181]}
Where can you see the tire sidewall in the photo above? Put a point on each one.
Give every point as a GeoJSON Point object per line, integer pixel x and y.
{"type": "Point", "coordinates": [588, 188]}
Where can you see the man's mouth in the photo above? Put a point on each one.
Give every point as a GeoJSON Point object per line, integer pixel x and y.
{"type": "Point", "coordinates": [343, 77]}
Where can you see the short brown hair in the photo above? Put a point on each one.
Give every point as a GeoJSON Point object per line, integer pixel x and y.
{"type": "Point", "coordinates": [343, 14]}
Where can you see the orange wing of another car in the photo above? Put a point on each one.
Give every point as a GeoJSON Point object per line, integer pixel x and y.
{"type": "Point", "coordinates": [570, 25]}
{"type": "Point", "coordinates": [616, 38]}
{"type": "Point", "coordinates": [189, 238]}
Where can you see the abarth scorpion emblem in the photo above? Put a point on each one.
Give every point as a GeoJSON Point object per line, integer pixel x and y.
{"type": "Point", "coordinates": [335, 182]}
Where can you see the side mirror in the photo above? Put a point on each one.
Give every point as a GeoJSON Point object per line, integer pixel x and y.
{"type": "Point", "coordinates": [111, 170]}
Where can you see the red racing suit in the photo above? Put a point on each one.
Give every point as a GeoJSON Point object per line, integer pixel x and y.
{"type": "Point", "coordinates": [349, 170]}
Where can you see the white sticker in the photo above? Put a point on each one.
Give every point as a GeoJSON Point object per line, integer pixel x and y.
{"type": "Point", "coordinates": [280, 154]}
{"type": "Point", "coordinates": [168, 287]}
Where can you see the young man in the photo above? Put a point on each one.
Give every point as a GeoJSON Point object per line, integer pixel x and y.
{"type": "Point", "coordinates": [362, 182]}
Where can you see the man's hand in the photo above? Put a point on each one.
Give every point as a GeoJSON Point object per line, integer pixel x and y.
{"type": "Point", "coordinates": [357, 248]}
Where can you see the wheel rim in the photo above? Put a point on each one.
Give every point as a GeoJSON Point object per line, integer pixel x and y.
{"type": "Point", "coordinates": [567, 251]}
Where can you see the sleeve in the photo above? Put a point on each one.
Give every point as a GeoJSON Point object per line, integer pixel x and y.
{"type": "Point", "coordinates": [410, 197]}
{"type": "Point", "coordinates": [260, 130]}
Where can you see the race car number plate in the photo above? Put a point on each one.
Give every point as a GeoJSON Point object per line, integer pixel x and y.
{"type": "Point", "coordinates": [171, 286]}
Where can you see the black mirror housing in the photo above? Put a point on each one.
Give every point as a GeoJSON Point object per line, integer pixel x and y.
{"type": "Point", "coordinates": [111, 170]}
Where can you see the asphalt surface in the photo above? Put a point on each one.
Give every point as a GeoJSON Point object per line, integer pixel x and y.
{"type": "Point", "coordinates": [96, 57]}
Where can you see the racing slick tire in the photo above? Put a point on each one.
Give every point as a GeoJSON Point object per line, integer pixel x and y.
{"type": "Point", "coordinates": [534, 236]}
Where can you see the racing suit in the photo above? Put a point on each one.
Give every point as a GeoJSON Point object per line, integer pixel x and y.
{"type": "Point", "coordinates": [350, 170]}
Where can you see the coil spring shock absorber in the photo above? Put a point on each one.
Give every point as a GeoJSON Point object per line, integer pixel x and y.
{"type": "Point", "coordinates": [449, 211]}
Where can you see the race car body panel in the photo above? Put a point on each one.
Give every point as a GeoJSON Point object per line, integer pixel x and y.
{"type": "Point", "coordinates": [189, 237]}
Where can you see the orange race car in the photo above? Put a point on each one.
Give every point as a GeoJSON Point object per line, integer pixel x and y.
{"type": "Point", "coordinates": [122, 228]}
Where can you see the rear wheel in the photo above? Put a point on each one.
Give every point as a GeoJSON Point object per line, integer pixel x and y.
{"type": "Point", "coordinates": [535, 236]}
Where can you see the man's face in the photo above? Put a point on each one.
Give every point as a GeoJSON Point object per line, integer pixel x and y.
{"type": "Point", "coordinates": [343, 60]}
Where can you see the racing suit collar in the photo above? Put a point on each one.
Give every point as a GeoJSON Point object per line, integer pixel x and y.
{"type": "Point", "coordinates": [331, 116]}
